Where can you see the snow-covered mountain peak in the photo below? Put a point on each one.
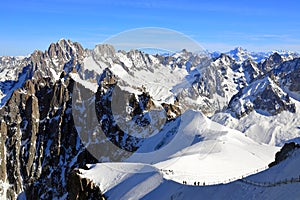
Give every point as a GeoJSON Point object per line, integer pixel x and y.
{"type": "Point", "coordinates": [238, 50]}
{"type": "Point", "coordinates": [287, 54]}
{"type": "Point", "coordinates": [105, 50]}
{"type": "Point", "coordinates": [224, 59]}
{"type": "Point", "coordinates": [274, 60]}
{"type": "Point", "coordinates": [276, 57]}
{"type": "Point", "coordinates": [239, 54]}
{"type": "Point", "coordinates": [63, 51]}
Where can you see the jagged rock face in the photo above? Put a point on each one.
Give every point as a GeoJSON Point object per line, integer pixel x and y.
{"type": "Point", "coordinates": [136, 65]}
{"type": "Point", "coordinates": [125, 116]}
{"type": "Point", "coordinates": [61, 56]}
{"type": "Point", "coordinates": [206, 87]}
{"type": "Point", "coordinates": [219, 82]}
{"type": "Point", "coordinates": [106, 118]}
{"type": "Point", "coordinates": [35, 120]}
{"type": "Point", "coordinates": [273, 103]}
{"type": "Point", "coordinates": [41, 145]}
{"type": "Point", "coordinates": [288, 75]}
{"type": "Point", "coordinates": [264, 96]}
{"type": "Point", "coordinates": [251, 70]}
{"type": "Point", "coordinates": [39, 142]}
{"type": "Point", "coordinates": [270, 63]}
{"type": "Point", "coordinates": [292, 81]}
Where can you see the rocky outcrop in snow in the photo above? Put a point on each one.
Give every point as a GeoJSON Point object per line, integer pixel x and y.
{"type": "Point", "coordinates": [284, 153]}
{"type": "Point", "coordinates": [80, 188]}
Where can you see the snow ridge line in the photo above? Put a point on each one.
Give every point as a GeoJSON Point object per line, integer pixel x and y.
{"type": "Point", "coordinates": [203, 183]}
{"type": "Point", "coordinates": [271, 184]}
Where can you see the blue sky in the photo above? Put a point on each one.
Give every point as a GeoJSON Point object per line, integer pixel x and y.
{"type": "Point", "coordinates": [217, 25]}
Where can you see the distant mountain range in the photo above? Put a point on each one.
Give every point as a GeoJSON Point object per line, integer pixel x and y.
{"type": "Point", "coordinates": [165, 118]}
{"type": "Point", "coordinates": [240, 54]}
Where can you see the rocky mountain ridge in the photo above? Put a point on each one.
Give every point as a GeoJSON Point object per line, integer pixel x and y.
{"type": "Point", "coordinates": [41, 142]}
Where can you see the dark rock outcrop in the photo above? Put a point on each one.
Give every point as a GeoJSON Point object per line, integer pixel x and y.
{"type": "Point", "coordinates": [270, 63]}
{"type": "Point", "coordinates": [82, 188]}
{"type": "Point", "coordinates": [288, 75]}
{"type": "Point", "coordinates": [284, 153]}
{"type": "Point", "coordinates": [251, 70]}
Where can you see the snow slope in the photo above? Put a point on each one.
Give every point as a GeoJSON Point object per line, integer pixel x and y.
{"type": "Point", "coordinates": [273, 130]}
{"type": "Point", "coordinates": [141, 181]}
{"type": "Point", "coordinates": [241, 189]}
{"type": "Point", "coordinates": [205, 150]}
{"type": "Point", "coordinates": [201, 151]}
{"type": "Point", "coordinates": [124, 180]}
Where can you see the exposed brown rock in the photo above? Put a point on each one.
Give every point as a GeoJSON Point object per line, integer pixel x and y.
{"type": "Point", "coordinates": [82, 188]}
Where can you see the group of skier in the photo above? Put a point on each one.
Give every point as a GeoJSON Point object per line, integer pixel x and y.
{"type": "Point", "coordinates": [195, 183]}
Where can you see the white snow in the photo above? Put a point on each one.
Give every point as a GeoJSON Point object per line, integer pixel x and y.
{"type": "Point", "coordinates": [85, 83]}
{"type": "Point", "coordinates": [90, 64]}
{"type": "Point", "coordinates": [207, 151]}
{"type": "Point", "coordinates": [272, 130]}
{"type": "Point", "coordinates": [201, 151]}
{"type": "Point", "coordinates": [54, 74]}
{"type": "Point", "coordinates": [131, 179]}
{"type": "Point", "coordinates": [240, 55]}
{"type": "Point", "coordinates": [4, 186]}
{"type": "Point", "coordinates": [242, 189]}
{"type": "Point", "coordinates": [117, 180]}
{"type": "Point", "coordinates": [5, 96]}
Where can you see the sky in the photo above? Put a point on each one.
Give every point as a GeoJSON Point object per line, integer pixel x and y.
{"type": "Point", "coordinates": [217, 25]}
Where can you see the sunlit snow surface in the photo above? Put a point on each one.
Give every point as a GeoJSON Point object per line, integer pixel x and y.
{"type": "Point", "coordinates": [273, 130]}
{"type": "Point", "coordinates": [142, 181]}
{"type": "Point", "coordinates": [219, 155]}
